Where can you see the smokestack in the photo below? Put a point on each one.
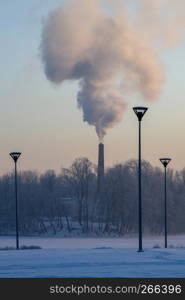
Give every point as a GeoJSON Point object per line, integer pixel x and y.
{"type": "Point", "coordinates": [100, 182]}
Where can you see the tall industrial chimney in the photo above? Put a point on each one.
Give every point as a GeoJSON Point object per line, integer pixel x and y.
{"type": "Point", "coordinates": [100, 182]}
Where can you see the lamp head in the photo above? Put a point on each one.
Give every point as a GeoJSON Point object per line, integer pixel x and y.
{"type": "Point", "coordinates": [15, 155]}
{"type": "Point", "coordinates": [165, 161]}
{"type": "Point", "coordinates": [140, 111]}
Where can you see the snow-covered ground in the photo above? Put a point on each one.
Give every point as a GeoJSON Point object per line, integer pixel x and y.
{"type": "Point", "coordinates": [92, 257]}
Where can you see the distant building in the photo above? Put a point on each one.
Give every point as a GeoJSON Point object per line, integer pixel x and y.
{"type": "Point", "coordinates": [68, 206]}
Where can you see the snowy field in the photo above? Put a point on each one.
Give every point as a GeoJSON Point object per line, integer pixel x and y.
{"type": "Point", "coordinates": [93, 257]}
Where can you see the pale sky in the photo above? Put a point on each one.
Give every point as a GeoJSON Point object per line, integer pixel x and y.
{"type": "Point", "coordinates": [43, 122]}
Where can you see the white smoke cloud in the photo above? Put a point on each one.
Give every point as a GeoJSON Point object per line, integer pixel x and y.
{"type": "Point", "coordinates": [80, 41]}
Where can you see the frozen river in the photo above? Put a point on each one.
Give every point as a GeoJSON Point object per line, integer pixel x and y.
{"type": "Point", "coordinates": [132, 242]}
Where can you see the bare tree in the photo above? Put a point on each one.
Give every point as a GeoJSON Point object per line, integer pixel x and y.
{"type": "Point", "coordinates": [79, 176]}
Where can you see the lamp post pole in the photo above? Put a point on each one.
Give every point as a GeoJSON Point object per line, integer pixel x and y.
{"type": "Point", "coordinates": [140, 200]}
{"type": "Point", "coordinates": [16, 209]}
{"type": "Point", "coordinates": [140, 111]}
{"type": "Point", "coordinates": [15, 156]}
{"type": "Point", "coordinates": [165, 162]}
{"type": "Point", "coordinates": [165, 208]}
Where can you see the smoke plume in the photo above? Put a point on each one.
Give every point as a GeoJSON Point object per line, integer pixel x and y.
{"type": "Point", "coordinates": [81, 41]}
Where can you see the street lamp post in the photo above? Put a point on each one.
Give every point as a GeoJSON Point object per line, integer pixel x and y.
{"type": "Point", "coordinates": [165, 162]}
{"type": "Point", "coordinates": [15, 156]}
{"type": "Point", "coordinates": [140, 111]}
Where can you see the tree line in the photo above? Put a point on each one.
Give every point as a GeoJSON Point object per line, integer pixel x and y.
{"type": "Point", "coordinates": [68, 202]}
